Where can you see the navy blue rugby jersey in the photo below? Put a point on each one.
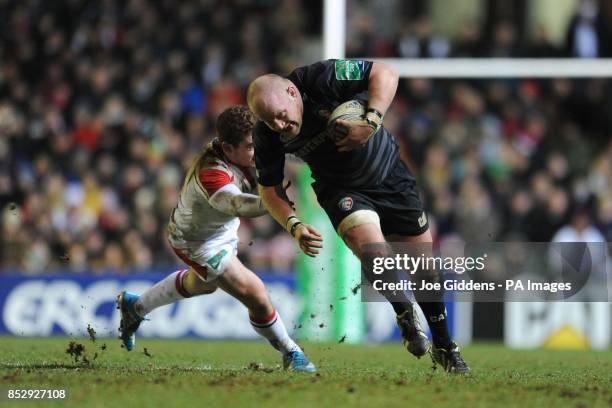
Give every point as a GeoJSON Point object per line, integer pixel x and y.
{"type": "Point", "coordinates": [325, 85]}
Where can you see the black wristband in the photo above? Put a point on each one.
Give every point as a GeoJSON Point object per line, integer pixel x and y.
{"type": "Point", "coordinates": [294, 227]}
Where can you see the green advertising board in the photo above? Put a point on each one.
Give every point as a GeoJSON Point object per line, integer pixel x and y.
{"type": "Point", "coordinates": [329, 283]}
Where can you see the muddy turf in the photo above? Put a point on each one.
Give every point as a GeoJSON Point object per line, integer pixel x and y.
{"type": "Point", "coordinates": [233, 374]}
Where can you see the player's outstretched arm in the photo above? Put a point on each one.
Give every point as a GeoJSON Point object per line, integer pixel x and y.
{"type": "Point", "coordinates": [230, 200]}
{"type": "Point", "coordinates": [279, 206]}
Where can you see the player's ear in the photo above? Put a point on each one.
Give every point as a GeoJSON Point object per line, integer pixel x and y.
{"type": "Point", "coordinates": [227, 148]}
{"type": "Point", "coordinates": [292, 91]}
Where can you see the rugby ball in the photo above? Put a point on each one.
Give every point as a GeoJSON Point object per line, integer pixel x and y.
{"type": "Point", "coordinates": [352, 110]}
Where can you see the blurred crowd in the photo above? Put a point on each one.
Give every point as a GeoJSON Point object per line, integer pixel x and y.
{"type": "Point", "coordinates": [510, 159]}
{"type": "Point", "coordinates": [103, 105]}
{"type": "Point", "coordinates": [588, 34]}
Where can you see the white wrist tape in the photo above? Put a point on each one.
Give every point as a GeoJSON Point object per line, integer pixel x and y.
{"type": "Point", "coordinates": [291, 221]}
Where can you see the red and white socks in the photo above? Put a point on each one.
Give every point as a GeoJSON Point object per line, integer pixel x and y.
{"type": "Point", "coordinates": [273, 329]}
{"type": "Point", "coordinates": [170, 290]}
{"type": "Point", "coordinates": [167, 291]}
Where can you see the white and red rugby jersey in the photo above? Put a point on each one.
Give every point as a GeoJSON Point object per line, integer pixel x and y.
{"type": "Point", "coordinates": [194, 219]}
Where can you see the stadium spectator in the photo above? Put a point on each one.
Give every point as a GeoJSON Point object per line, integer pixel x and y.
{"type": "Point", "coordinates": [418, 40]}
{"type": "Point", "coordinates": [504, 42]}
{"type": "Point", "coordinates": [588, 34]}
{"type": "Point", "coordinates": [468, 42]}
{"type": "Point", "coordinates": [541, 45]}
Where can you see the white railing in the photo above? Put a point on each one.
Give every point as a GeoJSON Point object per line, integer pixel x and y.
{"type": "Point", "coordinates": [334, 32]}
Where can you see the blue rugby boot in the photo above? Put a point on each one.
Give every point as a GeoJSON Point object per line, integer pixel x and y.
{"type": "Point", "coordinates": [297, 361]}
{"type": "Point", "coordinates": [130, 320]}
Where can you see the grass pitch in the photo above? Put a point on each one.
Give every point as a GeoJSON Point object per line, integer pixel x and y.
{"type": "Point", "coordinates": [234, 374]}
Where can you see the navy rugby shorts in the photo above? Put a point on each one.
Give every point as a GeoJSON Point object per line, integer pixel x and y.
{"type": "Point", "coordinates": [395, 199]}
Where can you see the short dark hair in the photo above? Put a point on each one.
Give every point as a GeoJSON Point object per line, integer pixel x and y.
{"type": "Point", "coordinates": [234, 124]}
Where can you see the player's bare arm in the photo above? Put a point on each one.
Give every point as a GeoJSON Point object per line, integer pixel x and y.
{"type": "Point", "coordinates": [307, 236]}
{"type": "Point", "coordinates": [382, 85]}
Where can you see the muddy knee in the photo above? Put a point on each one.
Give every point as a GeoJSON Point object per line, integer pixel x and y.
{"type": "Point", "coordinates": [196, 285]}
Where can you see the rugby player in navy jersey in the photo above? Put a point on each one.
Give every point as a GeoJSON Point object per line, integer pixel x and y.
{"type": "Point", "coordinates": [366, 190]}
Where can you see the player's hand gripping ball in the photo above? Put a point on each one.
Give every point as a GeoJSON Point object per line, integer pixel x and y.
{"type": "Point", "coordinates": [349, 127]}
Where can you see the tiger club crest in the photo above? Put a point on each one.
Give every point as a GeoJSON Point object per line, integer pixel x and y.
{"type": "Point", "coordinates": [345, 204]}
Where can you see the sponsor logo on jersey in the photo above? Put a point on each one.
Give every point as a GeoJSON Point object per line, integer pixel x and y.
{"type": "Point", "coordinates": [345, 204]}
{"type": "Point", "coordinates": [216, 260]}
{"type": "Point", "coordinates": [422, 220]}
{"type": "Point", "coordinates": [349, 70]}
{"type": "Point", "coordinates": [313, 143]}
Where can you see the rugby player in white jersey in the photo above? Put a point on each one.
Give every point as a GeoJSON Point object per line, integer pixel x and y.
{"type": "Point", "coordinates": [203, 232]}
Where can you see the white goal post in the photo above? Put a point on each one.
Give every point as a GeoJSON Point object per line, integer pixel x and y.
{"type": "Point", "coordinates": [334, 42]}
